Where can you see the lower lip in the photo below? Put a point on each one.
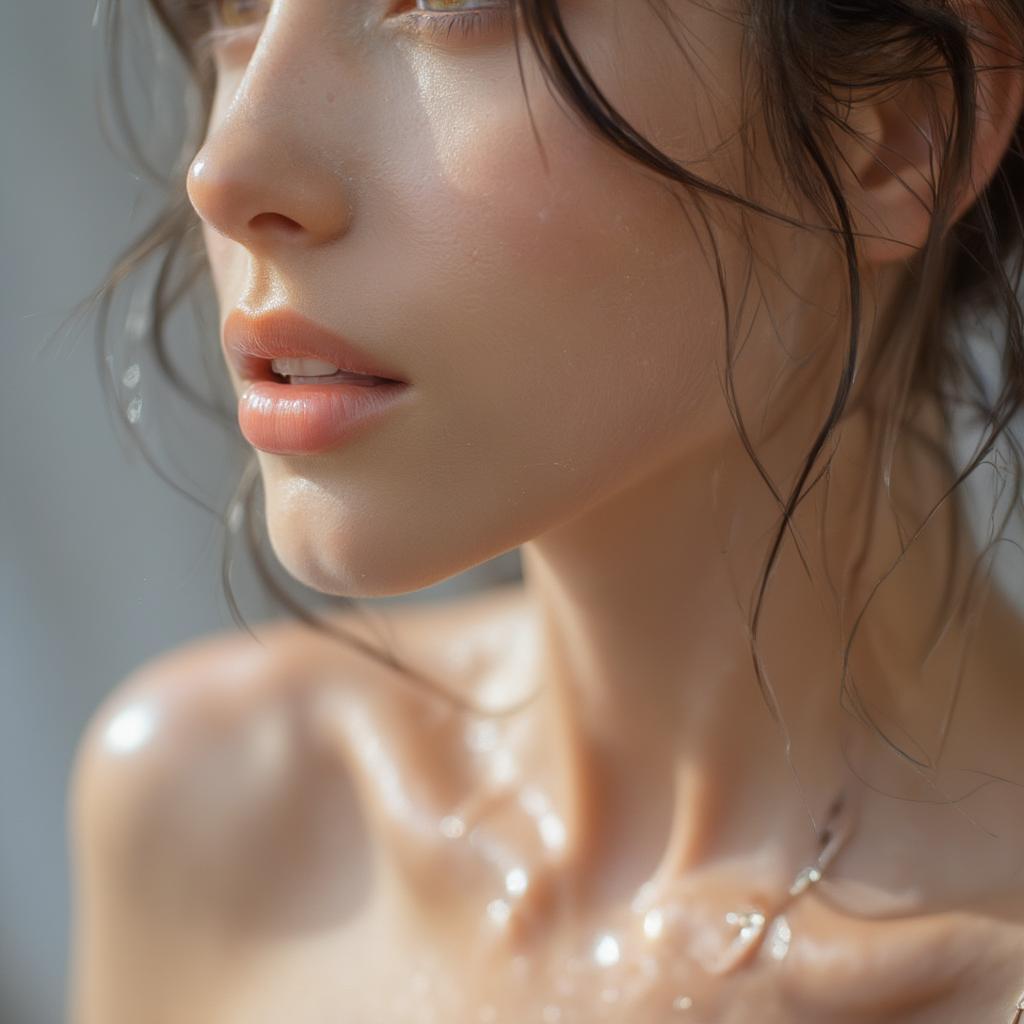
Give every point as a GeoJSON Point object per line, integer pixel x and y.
{"type": "Point", "coordinates": [302, 419]}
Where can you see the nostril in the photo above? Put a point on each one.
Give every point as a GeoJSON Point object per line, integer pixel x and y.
{"type": "Point", "coordinates": [274, 222]}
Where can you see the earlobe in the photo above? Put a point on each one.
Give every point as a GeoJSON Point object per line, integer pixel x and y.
{"type": "Point", "coordinates": [893, 152]}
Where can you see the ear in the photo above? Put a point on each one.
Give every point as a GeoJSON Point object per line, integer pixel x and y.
{"type": "Point", "coordinates": [891, 173]}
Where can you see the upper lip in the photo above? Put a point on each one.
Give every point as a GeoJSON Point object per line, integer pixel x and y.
{"type": "Point", "coordinates": [252, 342]}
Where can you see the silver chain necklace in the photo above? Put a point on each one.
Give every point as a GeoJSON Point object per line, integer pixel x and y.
{"type": "Point", "coordinates": [1019, 1015]}
{"type": "Point", "coordinates": [753, 922]}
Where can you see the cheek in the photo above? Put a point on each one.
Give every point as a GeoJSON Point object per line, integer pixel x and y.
{"type": "Point", "coordinates": [573, 308]}
{"type": "Point", "coordinates": [561, 322]}
{"type": "Point", "coordinates": [571, 276]}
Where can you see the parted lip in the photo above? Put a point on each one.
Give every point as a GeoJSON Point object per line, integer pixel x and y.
{"type": "Point", "coordinates": [252, 341]}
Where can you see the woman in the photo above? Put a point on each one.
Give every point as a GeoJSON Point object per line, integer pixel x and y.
{"type": "Point", "coordinates": [681, 298]}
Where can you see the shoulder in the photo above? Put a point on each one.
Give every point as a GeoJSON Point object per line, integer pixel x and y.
{"type": "Point", "coordinates": [206, 746]}
{"type": "Point", "coordinates": [154, 798]}
{"type": "Point", "coordinates": [205, 816]}
{"type": "Point", "coordinates": [226, 793]}
{"type": "Point", "coordinates": [164, 767]}
{"type": "Point", "coordinates": [195, 746]}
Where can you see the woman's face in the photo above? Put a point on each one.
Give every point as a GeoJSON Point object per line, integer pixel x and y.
{"type": "Point", "coordinates": [560, 326]}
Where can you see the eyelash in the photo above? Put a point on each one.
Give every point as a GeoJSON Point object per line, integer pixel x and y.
{"type": "Point", "coordinates": [467, 23]}
{"type": "Point", "coordinates": [436, 24]}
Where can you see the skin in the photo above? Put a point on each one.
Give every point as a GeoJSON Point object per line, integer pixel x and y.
{"type": "Point", "coordinates": [391, 188]}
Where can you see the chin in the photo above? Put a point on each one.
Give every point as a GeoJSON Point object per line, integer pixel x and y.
{"type": "Point", "coordinates": [365, 558]}
{"type": "Point", "coordinates": [350, 569]}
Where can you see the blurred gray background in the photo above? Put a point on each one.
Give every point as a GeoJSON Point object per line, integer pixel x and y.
{"type": "Point", "coordinates": [103, 565]}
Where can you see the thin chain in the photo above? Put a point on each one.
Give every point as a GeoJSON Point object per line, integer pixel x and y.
{"type": "Point", "coordinates": [832, 841]}
{"type": "Point", "coordinates": [752, 923]}
{"type": "Point", "coordinates": [1019, 1015]}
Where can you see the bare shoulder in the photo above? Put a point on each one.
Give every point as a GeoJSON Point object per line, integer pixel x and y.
{"type": "Point", "coordinates": [187, 754]}
{"type": "Point", "coordinates": [202, 821]}
{"type": "Point", "coordinates": [202, 750]}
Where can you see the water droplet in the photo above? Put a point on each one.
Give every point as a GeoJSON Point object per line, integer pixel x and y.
{"type": "Point", "coordinates": [516, 882]}
{"type": "Point", "coordinates": [682, 1003]}
{"type": "Point", "coordinates": [136, 323]}
{"type": "Point", "coordinates": [499, 911]}
{"type": "Point", "coordinates": [131, 376]}
{"type": "Point", "coordinates": [607, 952]}
{"type": "Point", "coordinates": [654, 924]}
{"type": "Point", "coordinates": [781, 936]}
{"type": "Point", "coordinates": [134, 410]}
{"type": "Point", "coordinates": [452, 827]}
{"type": "Point", "coordinates": [552, 831]}
{"type": "Point", "coordinates": [751, 924]}
{"type": "Point", "coordinates": [235, 516]}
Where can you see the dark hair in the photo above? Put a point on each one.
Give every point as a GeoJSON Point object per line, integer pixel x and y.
{"type": "Point", "coordinates": [806, 57]}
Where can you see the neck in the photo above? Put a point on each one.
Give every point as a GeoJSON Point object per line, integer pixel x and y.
{"type": "Point", "coordinates": [644, 650]}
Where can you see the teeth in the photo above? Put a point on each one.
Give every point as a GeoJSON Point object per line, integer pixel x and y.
{"type": "Point", "coordinates": [303, 368]}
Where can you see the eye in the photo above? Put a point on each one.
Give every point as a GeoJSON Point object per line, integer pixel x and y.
{"type": "Point", "coordinates": [213, 26]}
{"type": "Point", "coordinates": [207, 24]}
{"type": "Point", "coordinates": [445, 19]}
{"type": "Point", "coordinates": [238, 13]}
{"type": "Point", "coordinates": [442, 6]}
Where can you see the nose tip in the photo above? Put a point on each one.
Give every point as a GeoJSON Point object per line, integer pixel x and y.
{"type": "Point", "coordinates": [195, 186]}
{"type": "Point", "coordinates": [260, 201]}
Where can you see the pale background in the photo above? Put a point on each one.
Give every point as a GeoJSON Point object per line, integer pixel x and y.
{"type": "Point", "coordinates": [102, 565]}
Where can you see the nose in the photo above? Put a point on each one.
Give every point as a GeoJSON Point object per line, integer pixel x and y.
{"type": "Point", "coordinates": [259, 180]}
